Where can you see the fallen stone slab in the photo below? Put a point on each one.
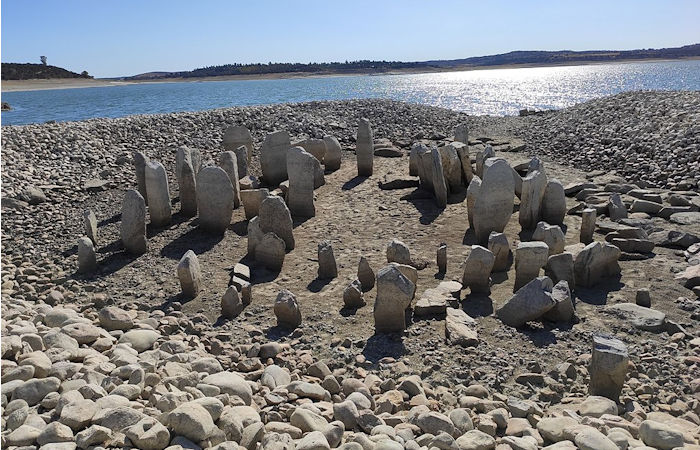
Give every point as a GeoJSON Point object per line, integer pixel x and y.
{"type": "Point", "coordinates": [647, 319]}
{"type": "Point", "coordinates": [460, 328]}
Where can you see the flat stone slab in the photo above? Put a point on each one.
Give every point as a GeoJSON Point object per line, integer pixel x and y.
{"type": "Point", "coordinates": [460, 328]}
{"type": "Point", "coordinates": [686, 218]}
{"type": "Point", "coordinates": [432, 302]}
{"type": "Point", "coordinates": [643, 318]}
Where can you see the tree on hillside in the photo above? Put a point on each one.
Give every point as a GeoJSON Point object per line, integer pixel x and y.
{"type": "Point", "coordinates": [43, 59]}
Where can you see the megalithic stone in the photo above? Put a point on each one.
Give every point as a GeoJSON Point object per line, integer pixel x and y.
{"type": "Point", "coordinates": [494, 203]}
{"type": "Point", "coordinates": [189, 274]}
{"type": "Point", "coordinates": [236, 136]}
{"type": "Point", "coordinates": [438, 176]}
{"type": "Point", "coordinates": [364, 150]}
{"type": "Point", "coordinates": [158, 191]}
{"type": "Point", "coordinates": [133, 225]}
{"type": "Point", "coordinates": [300, 198]}
{"type": "Point", "coordinates": [273, 157]}
{"type": "Point", "coordinates": [609, 362]}
{"type": "Point", "coordinates": [333, 153]}
{"type": "Point", "coordinates": [140, 161]}
{"type": "Point", "coordinates": [188, 189]}
{"type": "Point", "coordinates": [214, 199]}
{"type": "Point", "coordinates": [229, 162]}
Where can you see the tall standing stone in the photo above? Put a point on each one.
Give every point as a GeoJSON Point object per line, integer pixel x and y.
{"type": "Point", "coordinates": [494, 204]}
{"type": "Point", "coordinates": [300, 198]}
{"type": "Point", "coordinates": [477, 270]}
{"type": "Point", "coordinates": [465, 161]}
{"type": "Point", "coordinates": [364, 149]}
{"type": "Point", "coordinates": [133, 225]}
{"type": "Point", "coordinates": [498, 245]}
{"type": "Point", "coordinates": [255, 235]}
{"type": "Point", "coordinates": [472, 195]}
{"type": "Point", "coordinates": [188, 189]}
{"type": "Point", "coordinates": [241, 161]}
{"type": "Point", "coordinates": [229, 162]}
{"type": "Point", "coordinates": [333, 153]}
{"type": "Point", "coordinates": [530, 257]}
{"type": "Point", "coordinates": [554, 203]}
{"type": "Point", "coordinates": [609, 361]}
{"type": "Point", "coordinates": [252, 199]}
{"type": "Point", "coordinates": [534, 185]}
{"type": "Point", "coordinates": [276, 218]}
{"type": "Point", "coordinates": [190, 274]}
{"type": "Point", "coordinates": [425, 168]}
{"type": "Point", "coordinates": [587, 225]}
{"type": "Point", "coordinates": [481, 158]}
{"type": "Point", "coordinates": [231, 304]}
{"type": "Point", "coordinates": [442, 258]}
{"type": "Point", "coordinates": [327, 267]}
{"type": "Point", "coordinates": [451, 167]}
{"type": "Point", "coordinates": [287, 310]}
{"type": "Point", "coordinates": [365, 274]}
{"type": "Point", "coordinates": [158, 194]}
{"type": "Point", "coordinates": [273, 157]}
{"type": "Point", "coordinates": [414, 161]}
{"type": "Point", "coordinates": [140, 160]}
{"type": "Point", "coordinates": [87, 259]}
{"type": "Point", "coordinates": [236, 136]}
{"type": "Point", "coordinates": [462, 133]}
{"type": "Point", "coordinates": [394, 295]}
{"type": "Point", "coordinates": [438, 177]}
{"type": "Point", "coordinates": [214, 199]}
{"type": "Point", "coordinates": [90, 225]}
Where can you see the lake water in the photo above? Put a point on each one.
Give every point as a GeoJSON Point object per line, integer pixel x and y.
{"type": "Point", "coordinates": [494, 92]}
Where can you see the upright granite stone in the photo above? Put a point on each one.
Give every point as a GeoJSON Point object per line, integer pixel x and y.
{"type": "Point", "coordinates": [534, 185]}
{"type": "Point", "coordinates": [451, 167]}
{"type": "Point", "coordinates": [438, 179]}
{"type": "Point", "coordinates": [270, 252]}
{"type": "Point", "coordinates": [252, 199]}
{"type": "Point", "coordinates": [241, 162]}
{"type": "Point", "coordinates": [140, 160]}
{"type": "Point", "coordinates": [364, 149]}
{"type": "Point", "coordinates": [494, 204]}
{"type": "Point", "coordinates": [530, 257]}
{"type": "Point", "coordinates": [498, 245]}
{"type": "Point", "coordinates": [133, 224]}
{"type": "Point", "coordinates": [229, 162]}
{"type": "Point", "coordinates": [561, 268]}
{"type": "Point", "coordinates": [273, 157]}
{"type": "Point", "coordinates": [462, 133]}
{"type": "Point", "coordinates": [316, 147]}
{"type": "Point", "coordinates": [616, 208]}
{"type": "Point", "coordinates": [188, 189]}
{"type": "Point", "coordinates": [465, 160]}
{"type": "Point", "coordinates": [414, 161]}
{"type": "Point", "coordinates": [352, 295]}
{"type": "Point", "coordinates": [236, 136]}
{"type": "Point", "coordinates": [193, 155]}
{"type": "Point", "coordinates": [276, 218]}
{"type": "Point", "coordinates": [87, 259]}
{"type": "Point", "coordinates": [255, 235]}
{"type": "Point", "coordinates": [530, 302]}
{"type": "Point", "coordinates": [442, 258]}
{"type": "Point", "coordinates": [596, 261]}
{"type": "Point", "coordinates": [477, 270]}
{"type": "Point", "coordinates": [398, 252]}
{"type": "Point", "coordinates": [300, 198]}
{"type": "Point", "coordinates": [90, 225]}
{"type": "Point", "coordinates": [319, 177]}
{"type": "Point", "coordinates": [563, 310]}
{"type": "Point", "coordinates": [214, 199]}
{"type": "Point", "coordinates": [481, 158]}
{"type": "Point", "coordinates": [327, 267]}
{"type": "Point", "coordinates": [472, 195]}
{"type": "Point", "coordinates": [587, 225]}
{"type": "Point", "coordinates": [287, 310]}
{"type": "Point", "coordinates": [333, 153]}
{"type": "Point", "coordinates": [190, 274]}
{"type": "Point", "coordinates": [550, 235]}
{"type": "Point", "coordinates": [609, 362]}
{"type": "Point", "coordinates": [158, 194]}
{"type": "Point", "coordinates": [365, 274]}
{"type": "Point", "coordinates": [554, 203]}
{"type": "Point", "coordinates": [394, 295]}
{"type": "Point", "coordinates": [231, 304]}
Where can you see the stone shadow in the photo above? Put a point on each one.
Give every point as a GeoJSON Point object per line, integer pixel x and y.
{"type": "Point", "coordinates": [177, 219]}
{"type": "Point", "coordinates": [598, 294]}
{"type": "Point", "coordinates": [196, 239]}
{"type": "Point", "coordinates": [457, 197]}
{"type": "Point", "coordinates": [353, 183]}
{"type": "Point", "coordinates": [424, 203]}
{"type": "Point", "coordinates": [240, 227]}
{"type": "Point", "coordinates": [278, 332]}
{"type": "Point", "coordinates": [397, 184]}
{"type": "Point", "coordinates": [114, 219]}
{"type": "Point", "coordinates": [317, 284]}
{"type": "Point", "coordinates": [347, 311]}
{"type": "Point", "coordinates": [540, 336]}
{"type": "Point", "coordinates": [380, 346]}
{"type": "Point", "coordinates": [499, 277]}
{"type": "Point", "coordinates": [114, 262]}
{"type": "Point", "coordinates": [477, 305]}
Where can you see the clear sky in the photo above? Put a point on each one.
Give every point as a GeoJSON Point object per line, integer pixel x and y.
{"type": "Point", "coordinates": [127, 37]}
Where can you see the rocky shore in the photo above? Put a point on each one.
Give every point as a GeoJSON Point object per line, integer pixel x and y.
{"type": "Point", "coordinates": [120, 358]}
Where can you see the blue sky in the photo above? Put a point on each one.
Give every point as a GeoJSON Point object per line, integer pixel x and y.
{"type": "Point", "coordinates": [128, 37]}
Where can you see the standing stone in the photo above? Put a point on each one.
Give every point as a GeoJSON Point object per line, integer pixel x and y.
{"type": "Point", "coordinates": [273, 157]}
{"type": "Point", "coordinates": [231, 304]}
{"type": "Point", "coordinates": [554, 203]}
{"type": "Point", "coordinates": [534, 185]}
{"type": "Point", "coordinates": [190, 274]}
{"type": "Point", "coordinates": [587, 225]}
{"type": "Point", "coordinates": [442, 258]}
{"type": "Point", "coordinates": [451, 166]}
{"type": "Point", "coordinates": [300, 198]}
{"type": "Point", "coordinates": [530, 257]}
{"type": "Point", "coordinates": [481, 158]}
{"type": "Point", "coordinates": [319, 177]}
{"type": "Point", "coordinates": [394, 295]}
{"type": "Point", "coordinates": [609, 361]}
{"type": "Point", "coordinates": [425, 168]}
{"type": "Point", "coordinates": [158, 194]}
{"type": "Point", "coordinates": [241, 161]}
{"type": "Point", "coordinates": [188, 189]}
{"type": "Point", "coordinates": [133, 225]}
{"type": "Point", "coordinates": [398, 252]}
{"type": "Point", "coordinates": [465, 160]}
{"type": "Point", "coordinates": [616, 208]}
{"type": "Point", "coordinates": [327, 267]}
{"type": "Point", "coordinates": [498, 245]}
{"type": "Point", "coordinates": [365, 274]}
{"type": "Point", "coordinates": [276, 218]}
{"type": "Point", "coordinates": [438, 177]}
{"type": "Point", "coordinates": [472, 195]}
{"type": "Point", "coordinates": [333, 153]}
{"type": "Point", "coordinates": [352, 295]}
{"type": "Point", "coordinates": [255, 235]}
{"type": "Point", "coordinates": [183, 154]}
{"type": "Point", "coordinates": [529, 303]}
{"type": "Point", "coordinates": [270, 252]}
{"type": "Point", "coordinates": [563, 310]}
{"type": "Point", "coordinates": [252, 199]}
{"type": "Point", "coordinates": [561, 268]}
{"type": "Point", "coordinates": [287, 310]}
{"type": "Point", "coordinates": [414, 161]}
{"type": "Point", "coordinates": [596, 261]}
{"type": "Point", "coordinates": [87, 259]}
{"type": "Point", "coordinates": [550, 235]}
{"type": "Point", "coordinates": [214, 199]}
{"type": "Point", "coordinates": [316, 147]}
{"type": "Point", "coordinates": [236, 136]}
{"type": "Point", "coordinates": [494, 204]}
{"type": "Point", "coordinates": [229, 162]}
{"type": "Point", "coordinates": [364, 149]}
{"type": "Point", "coordinates": [140, 161]}
{"type": "Point", "coordinates": [90, 225]}
{"type": "Point", "coordinates": [462, 133]}
{"type": "Point", "coordinates": [477, 270]}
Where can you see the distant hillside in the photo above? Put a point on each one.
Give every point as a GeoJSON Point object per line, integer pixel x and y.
{"type": "Point", "coordinates": [517, 57]}
{"type": "Point", "coordinates": [17, 71]}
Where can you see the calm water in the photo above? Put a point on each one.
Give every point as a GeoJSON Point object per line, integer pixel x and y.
{"type": "Point", "coordinates": [494, 92]}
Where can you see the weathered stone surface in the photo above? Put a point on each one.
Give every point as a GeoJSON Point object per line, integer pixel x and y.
{"type": "Point", "coordinates": [494, 204]}
{"type": "Point", "coordinates": [438, 179]}
{"type": "Point", "coordinates": [333, 153]}
{"type": "Point", "coordinates": [270, 252]}
{"type": "Point", "coordinates": [398, 252]}
{"type": "Point", "coordinates": [113, 318]}
{"type": "Point", "coordinates": [563, 310]}
{"type": "Point", "coordinates": [465, 161]}
{"type": "Point", "coordinates": [287, 310]}
{"type": "Point", "coordinates": [498, 245]}
{"type": "Point", "coordinates": [364, 149]}
{"type": "Point", "coordinates": [140, 161]}
{"type": "Point", "coordinates": [316, 147]}
{"type": "Point", "coordinates": [595, 262]}
{"type": "Point", "coordinates": [554, 203]}
{"type": "Point", "coordinates": [587, 225]}
{"type": "Point", "coordinates": [273, 157]}
{"type": "Point", "coordinates": [481, 158]}
{"type": "Point", "coordinates": [300, 198]}
{"type": "Point", "coordinates": [365, 274]}
{"type": "Point", "coordinates": [148, 434]}
{"type": "Point", "coordinates": [190, 274]}
{"type": "Point", "coordinates": [530, 302]}
{"type": "Point", "coordinates": [432, 302]}
{"type": "Point", "coordinates": [462, 133]}
{"type": "Point", "coordinates": [352, 295]}
{"type": "Point", "coordinates": [276, 218]}
{"type": "Point", "coordinates": [158, 194]}
{"type": "Point", "coordinates": [87, 259]}
{"type": "Point", "coordinates": [551, 235]}
{"type": "Point", "coordinates": [327, 267]}
{"type": "Point", "coordinates": [608, 367]}
{"type": "Point", "coordinates": [231, 304]}
{"type": "Point", "coordinates": [442, 258]}
{"type": "Point", "coordinates": [530, 257]}
{"type": "Point", "coordinates": [460, 329]}
{"type": "Point", "coordinates": [252, 199]}
{"type": "Point", "coordinates": [229, 162]}
{"type": "Point", "coordinates": [414, 161]}
{"type": "Point", "coordinates": [214, 199]}
{"type": "Point", "coordinates": [192, 421]}
{"type": "Point", "coordinates": [425, 167]}
{"type": "Point", "coordinates": [660, 435]}
{"type": "Point", "coordinates": [236, 136]}
{"type": "Point", "coordinates": [133, 224]}
{"type": "Point", "coordinates": [561, 268]}
{"type": "Point", "coordinates": [477, 269]}
{"type": "Point", "coordinates": [616, 208]}
{"type": "Point", "coordinates": [640, 317]}
{"type": "Point", "coordinates": [451, 167]}
{"type": "Point", "coordinates": [187, 184]}
{"type": "Point", "coordinates": [472, 195]}
{"type": "Point", "coordinates": [90, 225]}
{"type": "Point", "coordinates": [394, 294]}
{"type": "Point", "coordinates": [255, 235]}
{"type": "Point", "coordinates": [534, 185]}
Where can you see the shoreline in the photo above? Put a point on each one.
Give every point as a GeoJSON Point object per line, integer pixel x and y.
{"type": "Point", "coordinates": [80, 83]}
